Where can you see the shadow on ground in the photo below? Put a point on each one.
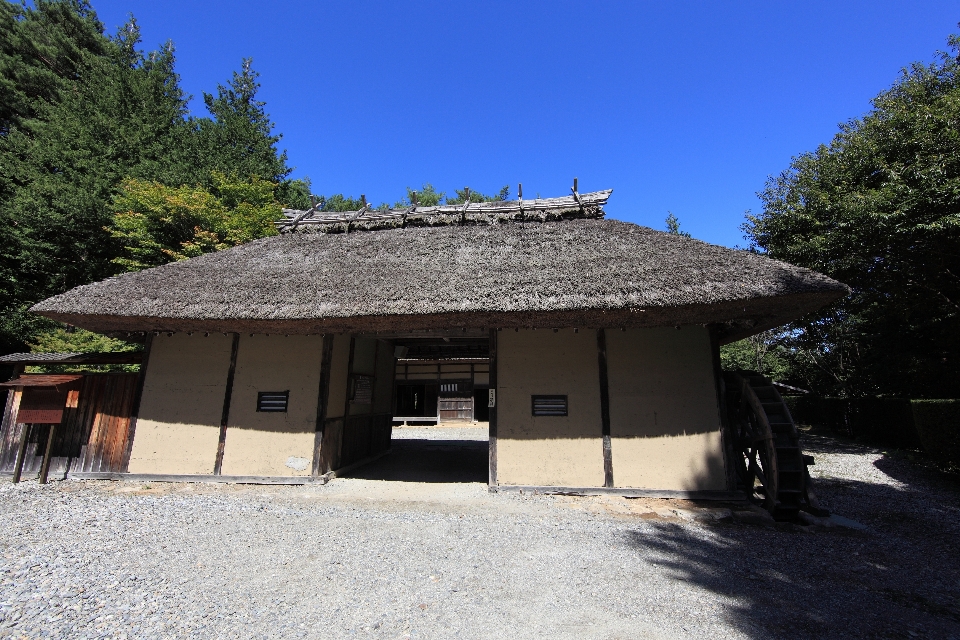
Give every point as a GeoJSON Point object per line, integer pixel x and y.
{"type": "Point", "coordinates": [901, 579]}
{"type": "Point", "coordinates": [429, 461]}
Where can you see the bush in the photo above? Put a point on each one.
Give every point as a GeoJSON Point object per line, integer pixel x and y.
{"type": "Point", "coordinates": [938, 423]}
{"type": "Point", "coordinates": [882, 421]}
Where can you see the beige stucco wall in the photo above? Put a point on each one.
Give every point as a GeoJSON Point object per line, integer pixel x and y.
{"type": "Point", "coordinates": [548, 451]}
{"type": "Point", "coordinates": [273, 444]}
{"type": "Point", "coordinates": [179, 423]}
{"type": "Point", "coordinates": [664, 422]}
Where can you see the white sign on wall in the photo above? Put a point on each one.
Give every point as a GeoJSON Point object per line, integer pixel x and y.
{"type": "Point", "coordinates": [491, 398]}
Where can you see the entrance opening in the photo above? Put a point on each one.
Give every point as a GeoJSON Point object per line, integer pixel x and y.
{"type": "Point", "coordinates": [440, 416]}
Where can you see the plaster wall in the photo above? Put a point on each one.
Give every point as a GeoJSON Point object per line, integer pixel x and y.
{"type": "Point", "coordinates": [664, 420]}
{"type": "Point", "coordinates": [267, 443]}
{"type": "Point", "coordinates": [548, 451]}
{"type": "Point", "coordinates": [178, 428]}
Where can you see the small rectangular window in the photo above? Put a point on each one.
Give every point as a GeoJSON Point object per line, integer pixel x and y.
{"type": "Point", "coordinates": [273, 401]}
{"type": "Point", "coordinates": [549, 405]}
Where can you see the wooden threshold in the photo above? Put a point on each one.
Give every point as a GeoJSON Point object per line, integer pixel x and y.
{"type": "Point", "coordinates": [166, 477]}
{"type": "Point", "coordinates": [618, 491]}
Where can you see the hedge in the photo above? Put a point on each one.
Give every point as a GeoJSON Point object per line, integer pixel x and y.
{"type": "Point", "coordinates": [938, 423]}
{"type": "Point", "coordinates": [882, 421]}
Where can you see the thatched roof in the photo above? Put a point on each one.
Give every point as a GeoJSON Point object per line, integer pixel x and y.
{"type": "Point", "coordinates": [569, 273]}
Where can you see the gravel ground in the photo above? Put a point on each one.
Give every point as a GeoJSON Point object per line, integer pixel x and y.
{"type": "Point", "coordinates": [368, 556]}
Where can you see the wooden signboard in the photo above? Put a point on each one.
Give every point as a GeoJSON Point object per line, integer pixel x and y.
{"type": "Point", "coordinates": [42, 405]}
{"type": "Point", "coordinates": [362, 389]}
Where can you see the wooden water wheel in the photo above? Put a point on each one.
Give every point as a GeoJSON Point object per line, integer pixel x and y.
{"type": "Point", "coordinates": [771, 468]}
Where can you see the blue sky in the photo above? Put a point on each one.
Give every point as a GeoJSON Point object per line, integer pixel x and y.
{"type": "Point", "coordinates": [685, 107]}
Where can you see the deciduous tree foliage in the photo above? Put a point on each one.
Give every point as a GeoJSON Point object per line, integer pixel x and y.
{"type": "Point", "coordinates": [879, 209]}
{"type": "Point", "coordinates": [155, 224]}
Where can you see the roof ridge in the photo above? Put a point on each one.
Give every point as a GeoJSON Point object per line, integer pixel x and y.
{"type": "Point", "coordinates": [575, 206]}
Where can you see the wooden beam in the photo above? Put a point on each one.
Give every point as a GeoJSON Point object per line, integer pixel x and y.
{"type": "Point", "coordinates": [492, 424]}
{"type": "Point", "coordinates": [227, 396]}
{"type": "Point", "coordinates": [323, 397]}
{"type": "Point", "coordinates": [625, 492]}
{"type": "Point", "coordinates": [726, 434]}
{"type": "Point", "coordinates": [605, 408]}
{"type": "Point", "coordinates": [221, 479]}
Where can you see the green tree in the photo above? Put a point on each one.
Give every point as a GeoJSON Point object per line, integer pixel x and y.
{"type": "Point", "coordinates": [673, 225]}
{"type": "Point", "coordinates": [80, 114]}
{"type": "Point", "coordinates": [155, 224]}
{"type": "Point", "coordinates": [59, 339]}
{"type": "Point", "coordinates": [119, 115]}
{"type": "Point", "coordinates": [474, 196]}
{"type": "Point", "coordinates": [762, 353]}
{"type": "Point", "coordinates": [879, 209]}
{"type": "Point", "coordinates": [427, 196]}
{"type": "Point", "coordinates": [239, 138]}
{"type": "Point", "coordinates": [42, 49]}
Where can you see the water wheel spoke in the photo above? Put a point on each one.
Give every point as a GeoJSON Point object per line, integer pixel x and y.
{"type": "Point", "coordinates": [753, 403]}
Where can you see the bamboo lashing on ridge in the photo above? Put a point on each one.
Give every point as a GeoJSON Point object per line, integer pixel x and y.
{"type": "Point", "coordinates": [577, 202]}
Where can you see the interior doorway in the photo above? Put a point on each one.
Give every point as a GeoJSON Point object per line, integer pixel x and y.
{"type": "Point", "coordinates": [416, 403]}
{"type": "Point", "coordinates": [439, 429]}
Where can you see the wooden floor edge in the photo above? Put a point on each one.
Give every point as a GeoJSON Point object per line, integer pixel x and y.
{"type": "Point", "coordinates": [617, 491]}
{"type": "Point", "coordinates": [163, 477]}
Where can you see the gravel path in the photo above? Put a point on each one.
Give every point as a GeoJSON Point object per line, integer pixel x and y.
{"type": "Point", "coordinates": [368, 557]}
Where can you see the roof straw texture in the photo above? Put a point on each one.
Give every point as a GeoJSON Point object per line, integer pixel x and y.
{"type": "Point", "coordinates": [572, 273]}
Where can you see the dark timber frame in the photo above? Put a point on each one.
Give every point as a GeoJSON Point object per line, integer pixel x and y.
{"type": "Point", "coordinates": [726, 435]}
{"type": "Point", "coordinates": [605, 408]}
{"type": "Point", "coordinates": [492, 419]}
{"type": "Point", "coordinates": [227, 396]}
{"type": "Point", "coordinates": [323, 397]}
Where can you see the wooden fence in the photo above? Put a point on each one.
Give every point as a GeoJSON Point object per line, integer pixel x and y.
{"type": "Point", "coordinates": [92, 437]}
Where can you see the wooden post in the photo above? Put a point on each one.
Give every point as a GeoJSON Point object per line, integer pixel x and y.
{"type": "Point", "coordinates": [492, 431]}
{"type": "Point", "coordinates": [21, 452]}
{"type": "Point", "coordinates": [726, 434]}
{"type": "Point", "coordinates": [45, 466]}
{"type": "Point", "coordinates": [605, 408]}
{"type": "Point", "coordinates": [225, 414]}
{"type": "Point", "coordinates": [322, 399]}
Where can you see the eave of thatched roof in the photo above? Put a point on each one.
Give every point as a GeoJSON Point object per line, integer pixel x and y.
{"type": "Point", "coordinates": [574, 273]}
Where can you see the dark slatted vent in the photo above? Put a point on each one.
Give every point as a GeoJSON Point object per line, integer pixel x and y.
{"type": "Point", "coordinates": [273, 401]}
{"type": "Point", "coordinates": [549, 405]}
